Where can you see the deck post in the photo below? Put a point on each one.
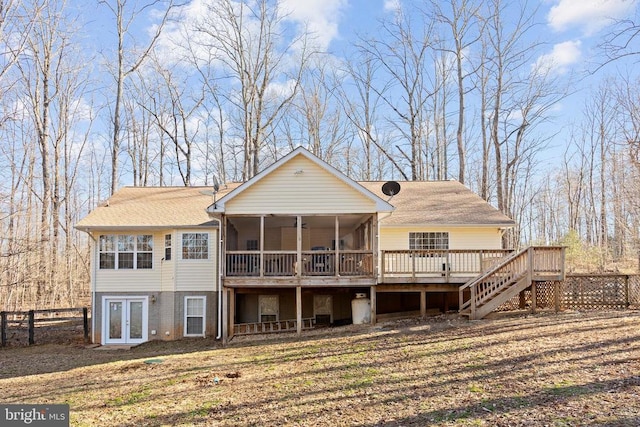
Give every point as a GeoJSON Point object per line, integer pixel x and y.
{"type": "Point", "coordinates": [522, 302]}
{"type": "Point", "coordinates": [627, 303]}
{"type": "Point", "coordinates": [232, 312]}
{"type": "Point", "coordinates": [225, 317]}
{"type": "Point", "coordinates": [557, 288]}
{"type": "Point", "coordinates": [85, 323]}
{"type": "Point", "coordinates": [423, 303]}
{"type": "Point", "coordinates": [32, 326]}
{"type": "Point", "coordinates": [3, 328]}
{"type": "Point", "coordinates": [472, 308]}
{"type": "Point", "coordinates": [299, 309]}
{"type": "Point", "coordinates": [373, 305]}
{"type": "Point", "coordinates": [534, 297]}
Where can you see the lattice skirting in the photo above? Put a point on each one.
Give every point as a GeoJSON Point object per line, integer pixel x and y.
{"type": "Point", "coordinates": [582, 292]}
{"type": "Point", "coordinates": [545, 298]}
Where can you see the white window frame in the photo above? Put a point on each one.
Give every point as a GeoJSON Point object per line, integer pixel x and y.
{"type": "Point", "coordinates": [182, 246]}
{"type": "Point", "coordinates": [168, 247]}
{"type": "Point", "coordinates": [203, 316]}
{"type": "Point", "coordinates": [116, 250]}
{"type": "Point", "coordinates": [430, 240]}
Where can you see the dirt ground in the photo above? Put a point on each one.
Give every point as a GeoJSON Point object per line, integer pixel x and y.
{"type": "Point", "coordinates": [568, 369]}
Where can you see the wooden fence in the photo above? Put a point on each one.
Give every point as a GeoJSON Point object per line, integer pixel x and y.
{"type": "Point", "coordinates": [582, 292]}
{"type": "Point", "coordinates": [52, 325]}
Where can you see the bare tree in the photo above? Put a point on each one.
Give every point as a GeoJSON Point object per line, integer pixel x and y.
{"type": "Point", "coordinates": [361, 102]}
{"type": "Point", "coordinates": [463, 24]}
{"type": "Point", "coordinates": [402, 50]}
{"type": "Point", "coordinates": [520, 96]}
{"type": "Point", "coordinates": [251, 44]}
{"type": "Point", "coordinates": [173, 107]}
{"type": "Point", "coordinates": [125, 14]}
{"type": "Point", "coordinates": [621, 41]}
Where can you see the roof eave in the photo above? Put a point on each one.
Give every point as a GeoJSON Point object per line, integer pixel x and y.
{"type": "Point", "coordinates": [91, 228]}
{"type": "Point", "coordinates": [449, 224]}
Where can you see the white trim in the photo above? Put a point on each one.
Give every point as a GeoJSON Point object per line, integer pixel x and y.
{"type": "Point", "coordinates": [125, 299]}
{"type": "Point", "coordinates": [204, 315]}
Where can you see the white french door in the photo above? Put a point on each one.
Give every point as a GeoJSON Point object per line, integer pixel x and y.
{"type": "Point", "coordinates": [125, 320]}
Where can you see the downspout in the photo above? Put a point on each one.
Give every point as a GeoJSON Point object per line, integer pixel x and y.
{"type": "Point", "coordinates": [93, 286]}
{"type": "Point", "coordinates": [220, 260]}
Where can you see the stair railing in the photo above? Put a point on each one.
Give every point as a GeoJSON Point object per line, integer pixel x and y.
{"type": "Point", "coordinates": [494, 280]}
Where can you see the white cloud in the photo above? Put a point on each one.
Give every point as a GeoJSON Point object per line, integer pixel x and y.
{"type": "Point", "coordinates": [561, 57]}
{"type": "Point", "coordinates": [320, 17]}
{"type": "Point", "coordinates": [392, 5]}
{"type": "Point", "coordinates": [588, 15]}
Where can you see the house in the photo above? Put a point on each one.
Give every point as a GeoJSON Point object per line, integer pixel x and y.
{"type": "Point", "coordinates": [298, 246]}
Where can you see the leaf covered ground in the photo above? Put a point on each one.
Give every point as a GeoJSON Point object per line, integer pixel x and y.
{"type": "Point", "coordinates": [568, 369]}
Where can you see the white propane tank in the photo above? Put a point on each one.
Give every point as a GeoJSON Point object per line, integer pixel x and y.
{"type": "Point", "coordinates": [361, 309]}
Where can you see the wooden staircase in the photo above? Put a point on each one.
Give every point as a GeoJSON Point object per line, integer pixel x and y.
{"type": "Point", "coordinates": [506, 279]}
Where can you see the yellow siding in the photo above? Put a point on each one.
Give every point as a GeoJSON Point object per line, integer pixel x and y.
{"type": "Point", "coordinates": [393, 238]}
{"type": "Point", "coordinates": [196, 274]}
{"type": "Point", "coordinates": [132, 280]}
{"type": "Point", "coordinates": [313, 191]}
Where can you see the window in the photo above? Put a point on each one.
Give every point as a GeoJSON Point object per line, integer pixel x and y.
{"type": "Point", "coordinates": [429, 240]}
{"type": "Point", "coordinates": [144, 251]}
{"type": "Point", "coordinates": [107, 252]}
{"type": "Point", "coordinates": [195, 246]}
{"type": "Point", "coordinates": [194, 314]}
{"type": "Point", "coordinates": [125, 252]}
{"type": "Point", "coordinates": [167, 247]}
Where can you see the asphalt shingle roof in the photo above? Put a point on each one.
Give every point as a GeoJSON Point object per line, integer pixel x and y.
{"type": "Point", "coordinates": [169, 207]}
{"type": "Point", "coordinates": [417, 203]}
{"type": "Point", "coordinates": [438, 203]}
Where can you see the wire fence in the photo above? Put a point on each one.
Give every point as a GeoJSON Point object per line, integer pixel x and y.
{"type": "Point", "coordinates": [57, 325]}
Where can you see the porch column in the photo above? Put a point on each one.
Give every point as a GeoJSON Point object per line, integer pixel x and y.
{"type": "Point", "coordinates": [232, 311]}
{"type": "Point", "coordinates": [261, 247]}
{"type": "Point", "coordinates": [299, 309]}
{"type": "Point", "coordinates": [423, 303]}
{"type": "Point", "coordinates": [225, 317]}
{"type": "Point", "coordinates": [373, 305]}
{"type": "Point", "coordinates": [336, 238]}
{"type": "Point", "coordinates": [299, 263]}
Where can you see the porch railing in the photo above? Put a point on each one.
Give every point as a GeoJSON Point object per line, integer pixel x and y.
{"type": "Point", "coordinates": [444, 263]}
{"type": "Point", "coordinates": [312, 263]}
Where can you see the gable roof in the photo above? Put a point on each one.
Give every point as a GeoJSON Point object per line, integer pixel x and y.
{"type": "Point", "coordinates": [153, 207]}
{"type": "Point", "coordinates": [438, 203]}
{"type": "Point", "coordinates": [381, 205]}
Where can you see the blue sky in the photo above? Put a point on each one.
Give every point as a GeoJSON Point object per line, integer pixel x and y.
{"type": "Point", "coordinates": [569, 29]}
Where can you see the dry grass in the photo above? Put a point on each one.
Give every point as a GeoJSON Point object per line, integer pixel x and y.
{"type": "Point", "coordinates": [571, 369]}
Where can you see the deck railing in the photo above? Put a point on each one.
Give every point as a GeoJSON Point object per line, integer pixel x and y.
{"type": "Point", "coordinates": [426, 263]}
{"type": "Point", "coordinates": [312, 263]}
{"type": "Point", "coordinates": [548, 261]}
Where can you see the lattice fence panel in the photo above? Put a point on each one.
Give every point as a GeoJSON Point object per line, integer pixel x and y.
{"type": "Point", "coordinates": [544, 300]}
{"type": "Point", "coordinates": [634, 292]}
{"type": "Point", "coordinates": [600, 292]}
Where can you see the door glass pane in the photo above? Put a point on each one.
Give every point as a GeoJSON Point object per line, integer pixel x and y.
{"type": "Point", "coordinates": [135, 320]}
{"type": "Point", "coordinates": [115, 320]}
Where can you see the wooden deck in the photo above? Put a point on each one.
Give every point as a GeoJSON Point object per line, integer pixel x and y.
{"type": "Point", "coordinates": [398, 268]}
